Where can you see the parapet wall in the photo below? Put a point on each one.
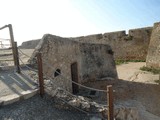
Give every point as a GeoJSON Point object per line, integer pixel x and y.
{"type": "Point", "coordinates": [131, 46]}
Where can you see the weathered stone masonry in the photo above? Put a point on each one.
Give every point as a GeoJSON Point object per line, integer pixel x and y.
{"type": "Point", "coordinates": [95, 61]}
{"type": "Point", "coordinates": [153, 57]}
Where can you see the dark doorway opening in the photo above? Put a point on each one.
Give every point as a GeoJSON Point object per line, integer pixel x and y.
{"type": "Point", "coordinates": [74, 75]}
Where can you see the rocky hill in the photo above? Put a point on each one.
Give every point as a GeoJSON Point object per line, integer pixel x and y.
{"type": "Point", "coordinates": [31, 44]}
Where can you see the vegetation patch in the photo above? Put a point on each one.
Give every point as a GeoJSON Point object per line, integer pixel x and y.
{"type": "Point", "coordinates": [119, 62]}
{"type": "Point", "coordinates": [149, 69]}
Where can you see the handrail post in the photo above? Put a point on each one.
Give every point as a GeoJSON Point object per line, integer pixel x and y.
{"type": "Point", "coordinates": [17, 58]}
{"type": "Point", "coordinates": [40, 74]}
{"type": "Point", "coordinates": [110, 102]}
{"type": "Point", "coordinates": [12, 43]}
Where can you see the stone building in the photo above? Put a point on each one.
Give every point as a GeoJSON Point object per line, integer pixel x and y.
{"type": "Point", "coordinates": [153, 56]}
{"type": "Point", "coordinates": [75, 61]}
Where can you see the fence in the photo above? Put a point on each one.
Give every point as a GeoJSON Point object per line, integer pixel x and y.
{"type": "Point", "coordinates": [9, 53]}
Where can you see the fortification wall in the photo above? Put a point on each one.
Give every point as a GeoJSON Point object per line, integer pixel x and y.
{"type": "Point", "coordinates": [153, 57]}
{"type": "Point", "coordinates": [131, 46]}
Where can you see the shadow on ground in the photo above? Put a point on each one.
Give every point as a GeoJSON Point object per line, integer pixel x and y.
{"type": "Point", "coordinates": [14, 83]}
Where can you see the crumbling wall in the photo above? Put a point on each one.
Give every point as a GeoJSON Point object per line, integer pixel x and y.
{"type": "Point", "coordinates": [153, 57]}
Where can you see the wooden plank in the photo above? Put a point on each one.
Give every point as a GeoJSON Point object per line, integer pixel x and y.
{"type": "Point", "coordinates": [1, 60]}
{"type": "Point", "coordinates": [4, 55]}
{"type": "Point", "coordinates": [3, 27]}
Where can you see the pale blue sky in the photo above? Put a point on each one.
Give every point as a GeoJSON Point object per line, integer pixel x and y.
{"type": "Point", "coordinates": [110, 15]}
{"type": "Point", "coordinates": [69, 18]}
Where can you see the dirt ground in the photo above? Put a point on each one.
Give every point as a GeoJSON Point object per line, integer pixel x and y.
{"type": "Point", "coordinates": [138, 88]}
{"type": "Point", "coordinates": [134, 88]}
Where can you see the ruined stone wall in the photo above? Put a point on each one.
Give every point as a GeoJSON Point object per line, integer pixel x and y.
{"type": "Point", "coordinates": [153, 57]}
{"type": "Point", "coordinates": [132, 46]}
{"type": "Point", "coordinates": [94, 60]}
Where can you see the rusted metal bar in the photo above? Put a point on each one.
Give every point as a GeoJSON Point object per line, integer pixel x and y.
{"type": "Point", "coordinates": [12, 42]}
{"type": "Point", "coordinates": [17, 58]}
{"type": "Point", "coordinates": [110, 102]}
{"type": "Point", "coordinates": [40, 74]}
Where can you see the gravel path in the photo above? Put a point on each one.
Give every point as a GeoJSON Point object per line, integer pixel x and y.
{"type": "Point", "coordinates": [37, 108]}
